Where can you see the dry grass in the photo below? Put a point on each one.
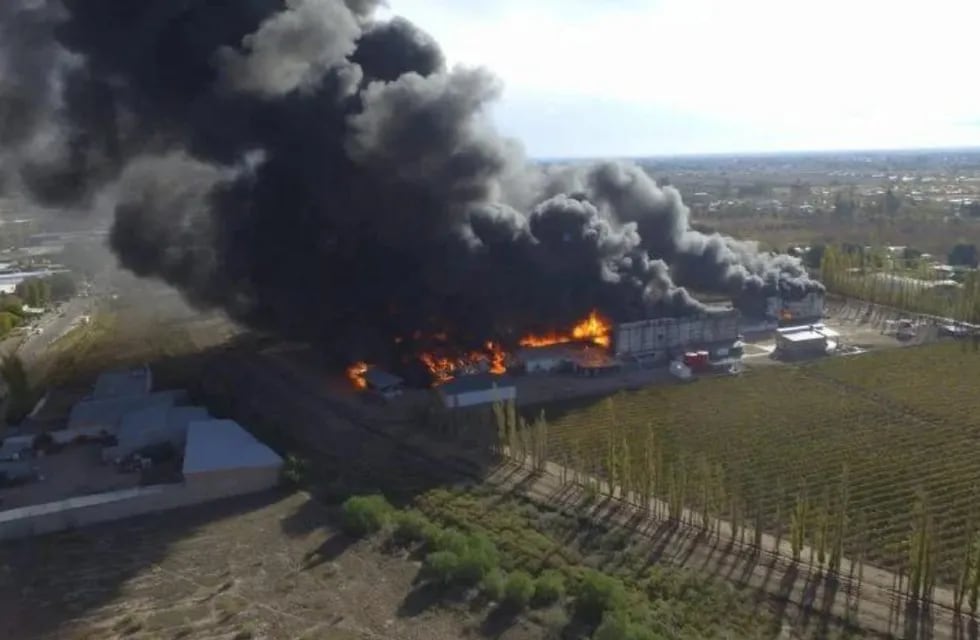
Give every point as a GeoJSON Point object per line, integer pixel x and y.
{"type": "Point", "coordinates": [259, 567]}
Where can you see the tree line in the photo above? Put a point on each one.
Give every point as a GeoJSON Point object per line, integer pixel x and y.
{"type": "Point", "coordinates": [700, 494]}
{"type": "Point", "coordinates": [868, 275]}
{"type": "Point", "coordinates": [39, 292]}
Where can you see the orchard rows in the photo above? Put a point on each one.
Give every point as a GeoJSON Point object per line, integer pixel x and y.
{"type": "Point", "coordinates": [872, 456]}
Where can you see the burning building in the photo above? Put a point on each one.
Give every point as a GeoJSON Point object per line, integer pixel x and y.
{"type": "Point", "coordinates": [319, 171]}
{"type": "Point", "coordinates": [660, 339]}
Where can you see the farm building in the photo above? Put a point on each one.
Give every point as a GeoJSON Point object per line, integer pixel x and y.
{"type": "Point", "coordinates": [546, 359]}
{"type": "Point", "coordinates": [90, 417]}
{"type": "Point", "coordinates": [383, 383]}
{"type": "Point", "coordinates": [151, 426]}
{"type": "Point", "coordinates": [479, 389]}
{"type": "Point", "coordinates": [223, 459]}
{"type": "Point", "coordinates": [661, 338]}
{"type": "Point", "coordinates": [805, 340]}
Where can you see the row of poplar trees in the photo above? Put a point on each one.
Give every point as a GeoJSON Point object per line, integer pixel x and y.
{"type": "Point", "coordinates": [699, 493]}
{"type": "Point", "coordinates": [881, 280]}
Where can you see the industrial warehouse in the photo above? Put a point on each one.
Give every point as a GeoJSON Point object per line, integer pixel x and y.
{"type": "Point", "coordinates": [598, 355]}
{"type": "Point", "coordinates": [125, 450]}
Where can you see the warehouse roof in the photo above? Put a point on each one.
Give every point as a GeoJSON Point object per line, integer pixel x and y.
{"type": "Point", "coordinates": [219, 445]}
{"type": "Point", "coordinates": [807, 333]}
{"type": "Point", "coordinates": [125, 382]}
{"type": "Point", "coordinates": [477, 382]}
{"type": "Point", "coordinates": [107, 412]}
{"type": "Point", "coordinates": [159, 418]}
{"type": "Point", "coordinates": [562, 350]}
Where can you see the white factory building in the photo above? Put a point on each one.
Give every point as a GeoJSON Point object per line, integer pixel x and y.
{"type": "Point", "coordinates": [222, 459]}
{"type": "Point", "coordinates": [576, 357]}
{"type": "Point", "coordinates": [806, 340]}
{"type": "Point", "coordinates": [661, 339]}
{"type": "Point", "coordinates": [546, 359]}
{"type": "Point", "coordinates": [475, 390]}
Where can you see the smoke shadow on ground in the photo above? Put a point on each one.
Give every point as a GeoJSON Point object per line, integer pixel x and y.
{"type": "Point", "coordinates": [345, 453]}
{"type": "Point", "coordinates": [559, 408]}
{"type": "Point", "coordinates": [53, 583]}
{"type": "Point", "coordinates": [66, 581]}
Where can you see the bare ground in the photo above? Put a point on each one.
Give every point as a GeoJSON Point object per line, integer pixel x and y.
{"type": "Point", "coordinates": [259, 567]}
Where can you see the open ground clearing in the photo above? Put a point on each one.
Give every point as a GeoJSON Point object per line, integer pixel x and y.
{"type": "Point", "coordinates": [261, 567]}
{"type": "Point", "coordinates": [895, 427]}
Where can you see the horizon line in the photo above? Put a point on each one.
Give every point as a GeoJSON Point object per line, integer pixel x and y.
{"type": "Point", "coordinates": [756, 154]}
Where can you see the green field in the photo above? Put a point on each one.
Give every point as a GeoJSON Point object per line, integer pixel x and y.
{"type": "Point", "coordinates": [897, 428]}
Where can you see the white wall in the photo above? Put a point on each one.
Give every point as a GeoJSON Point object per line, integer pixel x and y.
{"type": "Point", "coordinates": [484, 396]}
{"type": "Point", "coordinates": [212, 485]}
{"type": "Point", "coordinates": [104, 507]}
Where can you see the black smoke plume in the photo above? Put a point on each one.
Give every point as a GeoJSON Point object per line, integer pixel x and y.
{"type": "Point", "coordinates": [321, 173]}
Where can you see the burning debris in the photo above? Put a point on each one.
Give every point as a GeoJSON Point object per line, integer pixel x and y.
{"type": "Point", "coordinates": [356, 373]}
{"type": "Point", "coordinates": [491, 359]}
{"type": "Point", "coordinates": [320, 172]}
{"type": "Point", "coordinates": [594, 329]}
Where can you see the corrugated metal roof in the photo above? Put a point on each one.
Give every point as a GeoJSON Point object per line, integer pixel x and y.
{"type": "Point", "coordinates": [155, 425]}
{"type": "Point", "coordinates": [546, 352]}
{"type": "Point", "coordinates": [108, 412]}
{"type": "Point", "coordinates": [803, 336]}
{"type": "Point", "coordinates": [221, 445]}
{"type": "Point", "coordinates": [477, 382]}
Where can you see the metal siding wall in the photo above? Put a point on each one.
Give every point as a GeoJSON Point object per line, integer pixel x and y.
{"type": "Point", "coordinates": [648, 336]}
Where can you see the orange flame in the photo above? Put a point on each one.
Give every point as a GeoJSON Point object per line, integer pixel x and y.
{"type": "Point", "coordinates": [497, 359]}
{"type": "Point", "coordinates": [356, 372]}
{"type": "Point", "coordinates": [594, 329]}
{"type": "Point", "coordinates": [444, 369]}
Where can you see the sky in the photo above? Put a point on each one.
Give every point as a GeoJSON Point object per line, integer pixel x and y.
{"type": "Point", "coordinates": [621, 78]}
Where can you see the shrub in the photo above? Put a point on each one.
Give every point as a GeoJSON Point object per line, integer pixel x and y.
{"type": "Point", "coordinates": [598, 593]}
{"type": "Point", "coordinates": [477, 558]}
{"type": "Point", "coordinates": [448, 540]}
{"type": "Point", "coordinates": [363, 515]}
{"type": "Point", "coordinates": [493, 584]}
{"type": "Point", "coordinates": [411, 527]}
{"type": "Point", "coordinates": [441, 566]}
{"type": "Point", "coordinates": [518, 589]}
{"type": "Point", "coordinates": [616, 625]}
{"type": "Point", "coordinates": [548, 588]}
{"type": "Point", "coordinates": [295, 471]}
{"type": "Point", "coordinates": [431, 533]}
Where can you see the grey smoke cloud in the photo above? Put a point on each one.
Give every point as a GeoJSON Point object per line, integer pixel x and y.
{"type": "Point", "coordinates": [321, 173]}
{"type": "Point", "coordinates": [293, 49]}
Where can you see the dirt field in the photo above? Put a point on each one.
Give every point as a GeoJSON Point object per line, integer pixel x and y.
{"type": "Point", "coordinates": [261, 567]}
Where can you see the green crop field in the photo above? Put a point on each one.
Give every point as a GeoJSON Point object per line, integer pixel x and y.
{"type": "Point", "coordinates": [891, 436]}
